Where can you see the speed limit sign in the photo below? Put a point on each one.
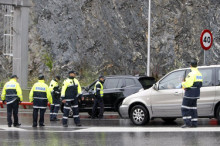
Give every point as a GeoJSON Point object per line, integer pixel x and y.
{"type": "Point", "coordinates": [206, 39]}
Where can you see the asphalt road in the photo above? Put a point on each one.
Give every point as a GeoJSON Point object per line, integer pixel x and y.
{"type": "Point", "coordinates": [110, 131]}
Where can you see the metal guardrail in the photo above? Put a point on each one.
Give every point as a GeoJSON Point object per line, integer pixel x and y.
{"type": "Point", "coordinates": [25, 93]}
{"type": "Point", "coordinates": [24, 104]}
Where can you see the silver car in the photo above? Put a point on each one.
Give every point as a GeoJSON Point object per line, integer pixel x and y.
{"type": "Point", "coordinates": [164, 99]}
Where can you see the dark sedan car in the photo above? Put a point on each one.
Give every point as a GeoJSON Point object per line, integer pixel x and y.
{"type": "Point", "coordinates": [116, 88]}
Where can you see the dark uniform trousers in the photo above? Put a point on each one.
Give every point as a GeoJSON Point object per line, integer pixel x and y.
{"type": "Point", "coordinates": [54, 108]}
{"type": "Point", "coordinates": [98, 101]}
{"type": "Point", "coordinates": [74, 106]}
{"type": "Point", "coordinates": [189, 111]}
{"type": "Point", "coordinates": [35, 115]}
{"type": "Point", "coordinates": [12, 107]}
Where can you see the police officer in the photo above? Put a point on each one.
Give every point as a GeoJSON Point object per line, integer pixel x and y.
{"type": "Point", "coordinates": [71, 91]}
{"type": "Point", "coordinates": [55, 92]}
{"type": "Point", "coordinates": [191, 85]}
{"type": "Point", "coordinates": [12, 94]}
{"type": "Point", "coordinates": [98, 89]}
{"type": "Point", "coordinates": [40, 95]}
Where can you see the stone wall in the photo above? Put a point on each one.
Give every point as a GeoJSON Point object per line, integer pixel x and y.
{"type": "Point", "coordinates": [110, 36]}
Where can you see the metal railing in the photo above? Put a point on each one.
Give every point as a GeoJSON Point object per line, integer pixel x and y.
{"type": "Point", "coordinates": [24, 104]}
{"type": "Point", "coordinates": [8, 34]}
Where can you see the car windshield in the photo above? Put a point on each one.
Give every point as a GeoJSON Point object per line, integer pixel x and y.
{"type": "Point", "coordinates": [91, 86]}
{"type": "Point", "coordinates": [147, 82]}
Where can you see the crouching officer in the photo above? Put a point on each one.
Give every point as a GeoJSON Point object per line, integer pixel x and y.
{"type": "Point", "coordinates": [192, 85]}
{"type": "Point", "coordinates": [12, 94]}
{"type": "Point", "coordinates": [70, 93]}
{"type": "Point", "coordinates": [98, 89]}
{"type": "Point", "coordinates": [40, 95]}
{"type": "Point", "coordinates": [55, 92]}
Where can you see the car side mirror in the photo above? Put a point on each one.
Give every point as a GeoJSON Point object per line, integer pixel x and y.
{"type": "Point", "coordinates": [155, 87]}
{"type": "Point", "coordinates": [123, 86]}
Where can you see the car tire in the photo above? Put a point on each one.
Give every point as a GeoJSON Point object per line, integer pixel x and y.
{"type": "Point", "coordinates": [218, 115]}
{"type": "Point", "coordinates": [70, 113]}
{"type": "Point", "coordinates": [139, 115]}
{"type": "Point", "coordinates": [61, 107]}
{"type": "Point", "coordinates": [90, 113]}
{"type": "Point", "coordinates": [96, 115]}
{"type": "Point", "coordinates": [169, 120]}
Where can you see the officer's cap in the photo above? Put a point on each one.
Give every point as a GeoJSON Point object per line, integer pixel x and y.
{"type": "Point", "coordinates": [14, 76]}
{"type": "Point", "coordinates": [101, 76]}
{"type": "Point", "coordinates": [57, 77]}
{"type": "Point", "coordinates": [41, 77]}
{"type": "Point", "coordinates": [193, 62]}
{"type": "Point", "coordinates": [73, 72]}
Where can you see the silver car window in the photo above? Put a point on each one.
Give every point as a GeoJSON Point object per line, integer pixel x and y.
{"type": "Point", "coordinates": [111, 83]}
{"type": "Point", "coordinates": [207, 77]}
{"type": "Point", "coordinates": [129, 82]}
{"type": "Point", "coordinates": [120, 83]}
{"type": "Point", "coordinates": [172, 81]}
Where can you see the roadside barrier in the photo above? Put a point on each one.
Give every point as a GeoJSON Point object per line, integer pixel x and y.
{"type": "Point", "coordinates": [24, 104]}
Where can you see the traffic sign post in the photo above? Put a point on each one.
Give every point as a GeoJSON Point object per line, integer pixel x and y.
{"type": "Point", "coordinates": [206, 40]}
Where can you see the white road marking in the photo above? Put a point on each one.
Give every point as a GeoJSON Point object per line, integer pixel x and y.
{"type": "Point", "coordinates": [6, 128]}
{"type": "Point", "coordinates": [150, 129]}
{"type": "Point", "coordinates": [48, 112]}
{"type": "Point", "coordinates": [71, 129]}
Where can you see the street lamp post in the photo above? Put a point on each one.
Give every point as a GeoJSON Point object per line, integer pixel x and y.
{"type": "Point", "coordinates": [148, 45]}
{"type": "Point", "coordinates": [20, 40]}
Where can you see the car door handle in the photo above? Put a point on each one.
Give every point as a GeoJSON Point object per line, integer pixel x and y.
{"type": "Point", "coordinates": [121, 89]}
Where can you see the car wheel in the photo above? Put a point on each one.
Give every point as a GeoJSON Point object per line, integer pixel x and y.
{"type": "Point", "coordinates": [61, 107]}
{"type": "Point", "coordinates": [139, 115]}
{"type": "Point", "coordinates": [96, 113]}
{"type": "Point", "coordinates": [70, 113]}
{"type": "Point", "coordinates": [218, 114]}
{"type": "Point", "coordinates": [169, 120]}
{"type": "Point", "coordinates": [90, 113]}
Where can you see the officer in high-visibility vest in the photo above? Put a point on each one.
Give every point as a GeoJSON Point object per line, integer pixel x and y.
{"type": "Point", "coordinates": [12, 94]}
{"type": "Point", "coordinates": [98, 89]}
{"type": "Point", "coordinates": [191, 85]}
{"type": "Point", "coordinates": [70, 93]}
{"type": "Point", "coordinates": [40, 95]}
{"type": "Point", "coordinates": [55, 92]}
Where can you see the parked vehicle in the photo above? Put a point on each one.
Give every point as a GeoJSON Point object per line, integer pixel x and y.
{"type": "Point", "coordinates": [116, 89]}
{"type": "Point", "coordinates": [164, 99]}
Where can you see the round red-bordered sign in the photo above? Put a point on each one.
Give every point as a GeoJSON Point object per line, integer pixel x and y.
{"type": "Point", "coordinates": [206, 39]}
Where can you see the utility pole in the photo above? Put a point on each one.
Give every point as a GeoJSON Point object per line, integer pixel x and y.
{"type": "Point", "coordinates": [20, 38]}
{"type": "Point", "coordinates": [148, 43]}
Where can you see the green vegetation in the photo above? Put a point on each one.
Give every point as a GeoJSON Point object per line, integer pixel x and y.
{"type": "Point", "coordinates": [87, 77]}
{"type": "Point", "coordinates": [48, 60]}
{"type": "Point", "coordinates": [3, 81]}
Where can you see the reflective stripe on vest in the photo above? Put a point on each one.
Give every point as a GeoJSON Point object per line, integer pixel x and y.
{"type": "Point", "coordinates": [101, 90]}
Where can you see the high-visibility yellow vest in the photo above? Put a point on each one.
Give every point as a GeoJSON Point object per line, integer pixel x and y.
{"type": "Point", "coordinates": [193, 77]}
{"type": "Point", "coordinates": [40, 94]}
{"type": "Point", "coordinates": [193, 83]}
{"type": "Point", "coordinates": [71, 89]}
{"type": "Point", "coordinates": [11, 91]}
{"type": "Point", "coordinates": [101, 89]}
